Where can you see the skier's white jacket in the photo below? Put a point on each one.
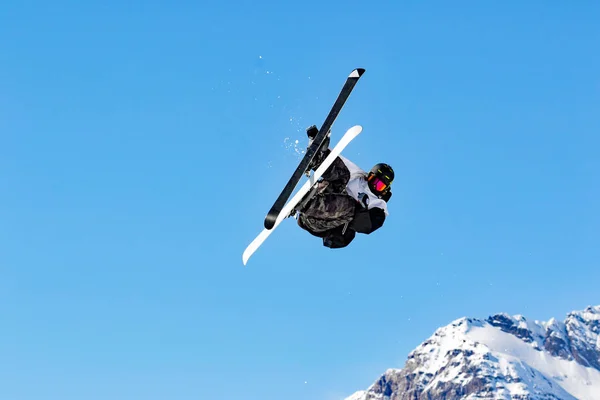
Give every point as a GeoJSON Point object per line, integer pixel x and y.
{"type": "Point", "coordinates": [337, 219]}
{"type": "Point", "coordinates": [358, 187]}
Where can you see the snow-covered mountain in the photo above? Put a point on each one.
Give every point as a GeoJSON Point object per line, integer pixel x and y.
{"type": "Point", "coordinates": [501, 357]}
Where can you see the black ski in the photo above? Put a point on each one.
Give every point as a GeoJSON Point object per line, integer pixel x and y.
{"type": "Point", "coordinates": [312, 149]}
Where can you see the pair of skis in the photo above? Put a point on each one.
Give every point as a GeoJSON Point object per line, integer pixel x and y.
{"type": "Point", "coordinates": [312, 180]}
{"type": "Point", "coordinates": [314, 147]}
{"type": "Point", "coordinates": [280, 209]}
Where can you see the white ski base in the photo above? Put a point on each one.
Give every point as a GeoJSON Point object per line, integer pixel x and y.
{"type": "Point", "coordinates": [287, 209]}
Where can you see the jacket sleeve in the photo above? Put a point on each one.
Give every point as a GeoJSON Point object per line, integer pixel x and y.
{"type": "Point", "coordinates": [367, 221]}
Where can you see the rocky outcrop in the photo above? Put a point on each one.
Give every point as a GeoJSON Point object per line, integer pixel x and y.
{"type": "Point", "coordinates": [500, 357]}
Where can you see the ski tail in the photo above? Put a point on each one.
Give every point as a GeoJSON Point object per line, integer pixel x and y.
{"type": "Point", "coordinates": [313, 148]}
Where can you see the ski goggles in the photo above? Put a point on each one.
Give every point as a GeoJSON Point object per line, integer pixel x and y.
{"type": "Point", "coordinates": [377, 183]}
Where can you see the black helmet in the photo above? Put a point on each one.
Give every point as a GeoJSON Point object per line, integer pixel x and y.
{"type": "Point", "coordinates": [380, 178]}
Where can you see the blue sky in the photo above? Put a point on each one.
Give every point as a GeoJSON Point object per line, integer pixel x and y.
{"type": "Point", "coordinates": [143, 143]}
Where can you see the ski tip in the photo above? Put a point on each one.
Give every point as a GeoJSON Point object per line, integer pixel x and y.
{"type": "Point", "coordinates": [357, 73]}
{"type": "Point", "coordinates": [247, 254]}
{"type": "Point", "coordinates": [270, 221]}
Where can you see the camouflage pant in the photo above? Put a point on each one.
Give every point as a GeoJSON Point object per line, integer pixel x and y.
{"type": "Point", "coordinates": [326, 211]}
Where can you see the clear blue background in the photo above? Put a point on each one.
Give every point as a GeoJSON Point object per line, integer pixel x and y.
{"type": "Point", "coordinates": [142, 143]}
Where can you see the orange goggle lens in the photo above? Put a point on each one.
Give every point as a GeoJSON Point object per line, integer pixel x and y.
{"type": "Point", "coordinates": [378, 184]}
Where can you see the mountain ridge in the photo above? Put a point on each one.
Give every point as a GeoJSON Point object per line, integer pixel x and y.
{"type": "Point", "coordinates": [500, 357]}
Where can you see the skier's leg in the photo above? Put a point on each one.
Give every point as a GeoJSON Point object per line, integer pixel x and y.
{"type": "Point", "coordinates": [331, 206]}
{"type": "Point", "coordinates": [302, 223]}
{"type": "Point", "coordinates": [327, 211]}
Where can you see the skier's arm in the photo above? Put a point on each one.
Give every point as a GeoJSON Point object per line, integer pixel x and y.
{"type": "Point", "coordinates": [367, 221]}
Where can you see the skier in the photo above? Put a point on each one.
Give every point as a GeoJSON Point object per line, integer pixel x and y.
{"type": "Point", "coordinates": [347, 200]}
